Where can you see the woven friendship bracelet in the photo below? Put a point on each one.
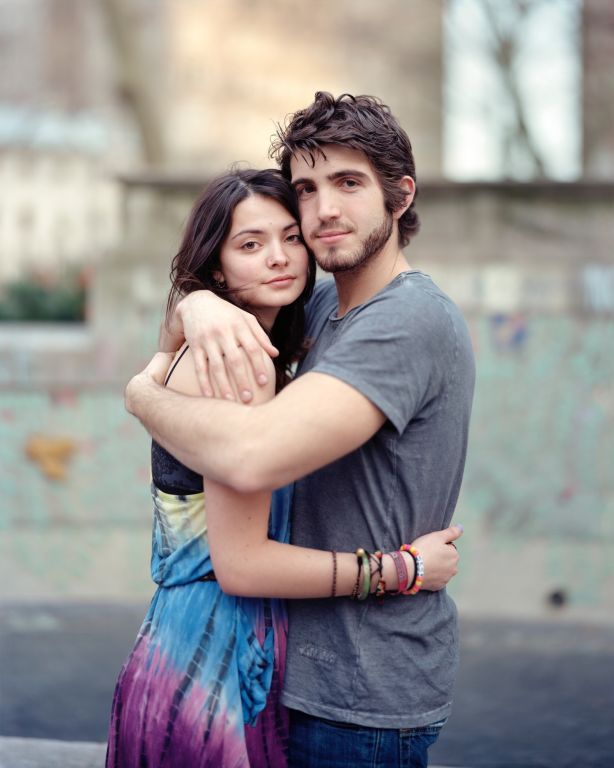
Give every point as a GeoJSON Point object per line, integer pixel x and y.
{"type": "Point", "coordinates": [402, 572]}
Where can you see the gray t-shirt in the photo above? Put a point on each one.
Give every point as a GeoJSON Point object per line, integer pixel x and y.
{"type": "Point", "coordinates": [390, 664]}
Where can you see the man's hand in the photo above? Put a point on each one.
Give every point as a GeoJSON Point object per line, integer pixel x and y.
{"type": "Point", "coordinates": [224, 340]}
{"type": "Point", "coordinates": [440, 556]}
{"type": "Point", "coordinates": [155, 372]}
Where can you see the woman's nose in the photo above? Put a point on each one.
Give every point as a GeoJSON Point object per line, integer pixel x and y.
{"type": "Point", "coordinates": [277, 254]}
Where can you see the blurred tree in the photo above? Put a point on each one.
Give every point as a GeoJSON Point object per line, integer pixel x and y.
{"type": "Point", "coordinates": [135, 82]}
{"type": "Point", "coordinates": [598, 90]}
{"type": "Point", "coordinates": [523, 55]}
{"type": "Point", "coordinates": [506, 31]}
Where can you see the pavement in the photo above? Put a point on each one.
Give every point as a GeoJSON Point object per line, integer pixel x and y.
{"type": "Point", "coordinates": [529, 694]}
{"type": "Point", "coordinates": [47, 753]}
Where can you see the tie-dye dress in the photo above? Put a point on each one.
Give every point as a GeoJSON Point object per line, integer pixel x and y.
{"type": "Point", "coordinates": [202, 684]}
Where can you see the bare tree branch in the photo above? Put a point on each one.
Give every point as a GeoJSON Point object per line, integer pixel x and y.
{"type": "Point", "coordinates": [134, 82]}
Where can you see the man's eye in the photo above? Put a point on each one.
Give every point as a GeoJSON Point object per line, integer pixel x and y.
{"type": "Point", "coordinates": [306, 189]}
{"type": "Point", "coordinates": [350, 183]}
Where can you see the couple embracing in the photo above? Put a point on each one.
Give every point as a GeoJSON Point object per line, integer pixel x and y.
{"type": "Point", "coordinates": [356, 458]}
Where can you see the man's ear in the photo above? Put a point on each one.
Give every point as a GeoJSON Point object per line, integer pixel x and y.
{"type": "Point", "coordinates": [408, 185]}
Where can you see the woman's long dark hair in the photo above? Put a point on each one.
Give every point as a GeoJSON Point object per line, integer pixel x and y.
{"type": "Point", "coordinates": [199, 254]}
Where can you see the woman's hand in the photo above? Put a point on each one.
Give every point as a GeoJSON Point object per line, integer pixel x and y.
{"type": "Point", "coordinates": [224, 341]}
{"type": "Point", "coordinates": [439, 555]}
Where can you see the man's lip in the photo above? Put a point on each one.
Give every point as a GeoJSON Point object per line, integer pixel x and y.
{"type": "Point", "coordinates": [331, 236]}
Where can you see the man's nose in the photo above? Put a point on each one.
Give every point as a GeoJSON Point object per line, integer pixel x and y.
{"type": "Point", "coordinates": [328, 205]}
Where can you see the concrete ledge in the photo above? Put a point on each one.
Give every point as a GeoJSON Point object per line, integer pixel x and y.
{"type": "Point", "coordinates": [45, 753]}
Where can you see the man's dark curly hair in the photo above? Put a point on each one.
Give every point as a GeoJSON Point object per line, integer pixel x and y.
{"type": "Point", "coordinates": [358, 122]}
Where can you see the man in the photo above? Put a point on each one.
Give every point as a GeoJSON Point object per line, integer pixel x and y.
{"type": "Point", "coordinates": [375, 427]}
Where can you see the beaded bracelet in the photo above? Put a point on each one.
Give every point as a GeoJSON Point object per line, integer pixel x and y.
{"type": "Point", "coordinates": [402, 572]}
{"type": "Point", "coordinates": [419, 569]}
{"type": "Point", "coordinates": [334, 590]}
{"type": "Point", "coordinates": [362, 556]}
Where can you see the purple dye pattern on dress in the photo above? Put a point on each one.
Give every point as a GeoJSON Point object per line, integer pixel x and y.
{"type": "Point", "coordinates": [202, 685]}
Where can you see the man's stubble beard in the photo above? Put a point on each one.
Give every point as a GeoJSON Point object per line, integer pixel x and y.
{"type": "Point", "coordinates": [370, 247]}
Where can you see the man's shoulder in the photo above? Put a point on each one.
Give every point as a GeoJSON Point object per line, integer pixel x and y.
{"type": "Point", "coordinates": [412, 297]}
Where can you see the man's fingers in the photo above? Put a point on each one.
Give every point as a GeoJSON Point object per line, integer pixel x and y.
{"type": "Point", "coordinates": [202, 371]}
{"type": "Point", "coordinates": [236, 367]}
{"type": "Point", "coordinates": [218, 376]}
{"type": "Point", "coordinates": [262, 337]}
{"type": "Point", "coordinates": [254, 356]}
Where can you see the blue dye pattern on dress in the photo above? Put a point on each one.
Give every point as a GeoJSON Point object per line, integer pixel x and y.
{"type": "Point", "coordinates": [203, 682]}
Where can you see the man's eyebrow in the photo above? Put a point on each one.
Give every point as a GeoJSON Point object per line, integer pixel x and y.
{"type": "Point", "coordinates": [347, 172]}
{"type": "Point", "coordinates": [261, 231]}
{"type": "Point", "coordinates": [334, 176]}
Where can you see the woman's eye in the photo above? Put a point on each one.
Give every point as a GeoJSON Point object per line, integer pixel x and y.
{"type": "Point", "coordinates": [250, 245]}
{"type": "Point", "coordinates": [294, 238]}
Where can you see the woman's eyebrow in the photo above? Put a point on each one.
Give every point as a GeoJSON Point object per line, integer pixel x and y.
{"type": "Point", "coordinates": [248, 232]}
{"type": "Point", "coordinates": [261, 231]}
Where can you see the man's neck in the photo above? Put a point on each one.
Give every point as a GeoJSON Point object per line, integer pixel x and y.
{"type": "Point", "coordinates": [356, 286]}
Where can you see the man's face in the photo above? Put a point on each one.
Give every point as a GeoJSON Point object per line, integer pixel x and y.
{"type": "Point", "coordinates": [343, 216]}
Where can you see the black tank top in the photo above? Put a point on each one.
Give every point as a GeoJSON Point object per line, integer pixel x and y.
{"type": "Point", "coordinates": [168, 474]}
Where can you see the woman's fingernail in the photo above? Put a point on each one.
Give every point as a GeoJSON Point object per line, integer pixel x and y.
{"type": "Point", "coordinates": [246, 395]}
{"type": "Point", "coordinates": [262, 378]}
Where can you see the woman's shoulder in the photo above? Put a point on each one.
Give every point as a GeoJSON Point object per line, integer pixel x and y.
{"type": "Point", "coordinates": [183, 378]}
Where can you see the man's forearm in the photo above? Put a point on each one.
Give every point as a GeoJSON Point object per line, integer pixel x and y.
{"type": "Point", "coordinates": [312, 422]}
{"type": "Point", "coordinates": [178, 423]}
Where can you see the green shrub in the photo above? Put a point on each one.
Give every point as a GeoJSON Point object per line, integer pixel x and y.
{"type": "Point", "coordinates": [36, 298]}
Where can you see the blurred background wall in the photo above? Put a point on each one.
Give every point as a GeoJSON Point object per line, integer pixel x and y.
{"type": "Point", "coordinates": [114, 113]}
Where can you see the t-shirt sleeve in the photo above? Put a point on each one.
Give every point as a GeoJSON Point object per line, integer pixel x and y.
{"type": "Point", "coordinates": [398, 351]}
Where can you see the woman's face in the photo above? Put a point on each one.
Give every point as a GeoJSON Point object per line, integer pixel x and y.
{"type": "Point", "coordinates": [263, 259]}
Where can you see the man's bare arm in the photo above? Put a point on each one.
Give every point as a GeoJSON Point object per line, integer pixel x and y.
{"type": "Point", "coordinates": [315, 420]}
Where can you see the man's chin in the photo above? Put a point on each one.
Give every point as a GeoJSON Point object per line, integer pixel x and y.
{"type": "Point", "coordinates": [335, 261]}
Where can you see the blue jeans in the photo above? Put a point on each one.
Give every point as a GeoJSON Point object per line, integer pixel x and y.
{"type": "Point", "coordinates": [318, 743]}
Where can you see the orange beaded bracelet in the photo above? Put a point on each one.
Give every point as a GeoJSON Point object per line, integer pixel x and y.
{"type": "Point", "coordinates": [419, 569]}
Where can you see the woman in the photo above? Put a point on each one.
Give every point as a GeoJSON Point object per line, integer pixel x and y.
{"type": "Point", "coordinates": [201, 686]}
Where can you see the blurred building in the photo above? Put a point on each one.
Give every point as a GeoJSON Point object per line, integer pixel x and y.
{"type": "Point", "coordinates": [168, 94]}
{"type": "Point", "coordinates": [58, 205]}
